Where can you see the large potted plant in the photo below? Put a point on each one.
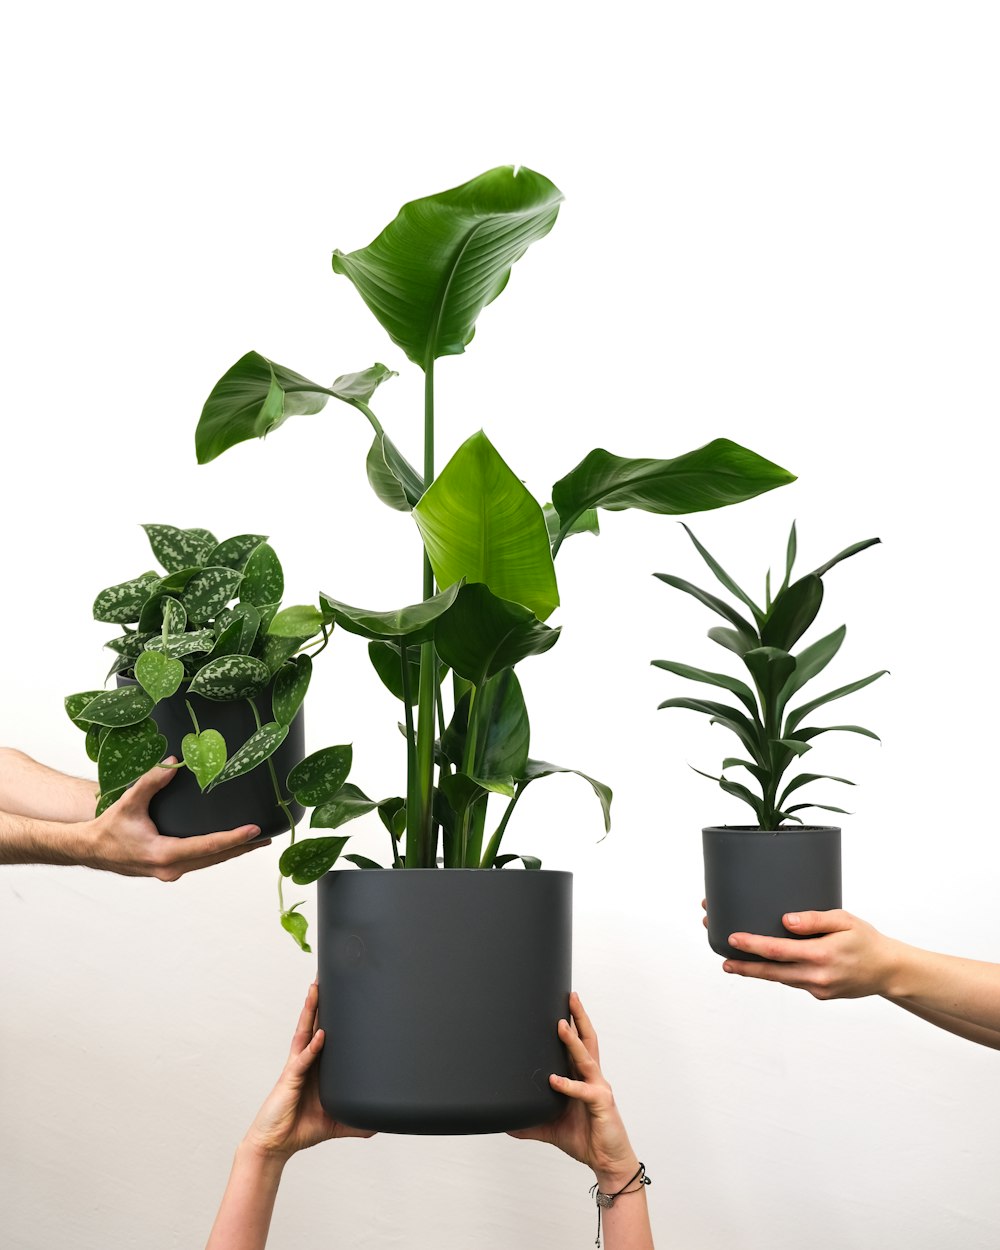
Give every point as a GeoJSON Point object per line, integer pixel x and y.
{"type": "Point", "coordinates": [420, 953]}
{"type": "Point", "coordinates": [755, 874]}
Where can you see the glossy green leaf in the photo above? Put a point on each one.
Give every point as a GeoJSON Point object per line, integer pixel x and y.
{"type": "Point", "coordinates": [414, 623]}
{"type": "Point", "coordinates": [300, 621]}
{"type": "Point", "coordinates": [158, 674]}
{"type": "Point", "coordinates": [434, 268]}
{"type": "Point", "coordinates": [732, 639]}
{"type": "Point", "coordinates": [392, 477]}
{"type": "Point", "coordinates": [228, 642]}
{"type": "Point", "coordinates": [209, 592]}
{"type": "Point", "coordinates": [175, 617]}
{"type": "Point", "coordinates": [823, 807]}
{"type": "Point", "coordinates": [318, 777]}
{"type": "Point", "coordinates": [743, 627]}
{"type": "Point", "coordinates": [806, 734]}
{"type": "Point", "coordinates": [125, 706]}
{"type": "Point", "coordinates": [294, 923]}
{"type": "Point", "coordinates": [180, 645]}
{"type": "Point", "coordinates": [258, 395]}
{"type": "Point", "coordinates": [290, 686]}
{"type": "Point", "coordinates": [482, 634]}
{"type": "Point", "coordinates": [387, 661]}
{"type": "Point", "coordinates": [263, 579]}
{"type": "Point", "coordinates": [479, 522]}
{"type": "Point", "coordinates": [273, 651]}
{"type": "Point", "coordinates": [178, 549]}
{"type": "Point", "coordinates": [250, 621]}
{"type": "Point", "coordinates": [309, 859]}
{"type": "Point", "coordinates": [798, 715]}
{"type": "Point", "coordinates": [231, 677]}
{"type": "Point", "coordinates": [535, 769]}
{"type": "Point", "coordinates": [771, 668]}
{"type": "Point", "coordinates": [723, 680]}
{"type": "Point", "coordinates": [128, 752]}
{"type": "Point", "coordinates": [846, 554]}
{"type": "Point", "coordinates": [804, 779]}
{"type": "Point", "coordinates": [95, 736]}
{"type": "Point", "coordinates": [503, 734]}
{"type": "Point", "coordinates": [392, 813]}
{"type": "Point", "coordinates": [723, 577]}
{"type": "Point", "coordinates": [792, 613]}
{"type": "Point", "coordinates": [586, 523]}
{"type": "Point", "coordinates": [257, 748]}
{"type": "Point", "coordinates": [362, 861]}
{"type": "Point", "coordinates": [531, 862]}
{"type": "Point", "coordinates": [75, 703]}
{"type": "Point", "coordinates": [205, 754]}
{"type": "Point", "coordinates": [714, 476]}
{"type": "Point", "coordinates": [175, 583]}
{"type": "Point", "coordinates": [347, 804]}
{"type": "Point", "coordinates": [122, 604]}
{"type": "Point", "coordinates": [722, 714]}
{"type": "Point", "coordinates": [812, 660]}
{"type": "Point", "coordinates": [105, 801]}
{"type": "Point", "coordinates": [234, 552]}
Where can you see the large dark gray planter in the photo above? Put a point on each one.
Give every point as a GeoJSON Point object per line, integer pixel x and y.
{"type": "Point", "coordinates": [440, 992]}
{"type": "Point", "coordinates": [180, 810]}
{"type": "Point", "coordinates": [754, 877]}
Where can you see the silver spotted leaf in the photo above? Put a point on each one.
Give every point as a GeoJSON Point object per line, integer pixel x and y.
{"type": "Point", "coordinates": [302, 620]}
{"type": "Point", "coordinates": [249, 618]}
{"type": "Point", "coordinates": [209, 592]}
{"type": "Point", "coordinates": [104, 801]}
{"type": "Point", "coordinates": [205, 754]}
{"type": "Point", "coordinates": [128, 752]}
{"type": "Point", "coordinates": [231, 677]}
{"type": "Point", "coordinates": [318, 777]}
{"type": "Point", "coordinates": [122, 604]}
{"type": "Point", "coordinates": [290, 686]}
{"type": "Point", "coordinates": [308, 860]}
{"type": "Point", "coordinates": [273, 651]}
{"type": "Point", "coordinates": [159, 675]}
{"type": "Point", "coordinates": [180, 645]}
{"type": "Point", "coordinates": [228, 641]}
{"type": "Point", "coordinates": [257, 748]}
{"type": "Point", "coordinates": [235, 552]}
{"type": "Point", "coordinates": [75, 703]}
{"type": "Point", "coordinates": [347, 804]}
{"type": "Point", "coordinates": [95, 736]}
{"type": "Point", "coordinates": [116, 708]}
{"type": "Point", "coordinates": [178, 549]}
{"type": "Point", "coordinates": [263, 580]}
{"type": "Point", "coordinates": [175, 583]}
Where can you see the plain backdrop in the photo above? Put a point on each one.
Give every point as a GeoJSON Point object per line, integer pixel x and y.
{"type": "Point", "coordinates": [780, 226]}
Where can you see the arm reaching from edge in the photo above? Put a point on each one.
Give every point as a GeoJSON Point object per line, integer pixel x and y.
{"type": "Point", "coordinates": [122, 839]}
{"type": "Point", "coordinates": [850, 959]}
{"type": "Point", "coordinates": [591, 1130]}
{"type": "Point", "coordinates": [291, 1119]}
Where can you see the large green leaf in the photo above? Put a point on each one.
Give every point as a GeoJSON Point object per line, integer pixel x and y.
{"type": "Point", "coordinates": [503, 736]}
{"type": "Point", "coordinates": [128, 752]}
{"type": "Point", "coordinates": [811, 661]}
{"type": "Point", "coordinates": [479, 522]}
{"type": "Point", "coordinates": [234, 552]}
{"type": "Point", "coordinates": [481, 634]}
{"type": "Point", "coordinates": [209, 592]}
{"type": "Point", "coordinates": [713, 476]}
{"type": "Point", "coordinates": [256, 395]}
{"type": "Point", "coordinates": [392, 477]}
{"type": "Point", "coordinates": [536, 769]}
{"type": "Point", "coordinates": [434, 268]}
{"type": "Point", "coordinates": [414, 623]}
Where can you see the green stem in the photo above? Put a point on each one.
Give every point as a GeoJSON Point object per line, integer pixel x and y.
{"type": "Point", "coordinates": [420, 848]}
{"type": "Point", "coordinates": [355, 403]}
{"type": "Point", "coordinates": [281, 801]}
{"type": "Point", "coordinates": [327, 633]}
{"type": "Point", "coordinates": [194, 719]}
{"type": "Point", "coordinates": [412, 794]}
{"type": "Point", "coordinates": [494, 842]}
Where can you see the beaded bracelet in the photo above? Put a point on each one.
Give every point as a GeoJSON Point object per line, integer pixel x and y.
{"type": "Point", "coordinates": [608, 1200]}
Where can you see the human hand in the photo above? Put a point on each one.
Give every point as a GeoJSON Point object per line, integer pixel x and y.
{"type": "Point", "coordinates": [292, 1117]}
{"type": "Point", "coordinates": [850, 960]}
{"type": "Point", "coordinates": [590, 1129]}
{"type": "Point", "coordinates": [123, 838]}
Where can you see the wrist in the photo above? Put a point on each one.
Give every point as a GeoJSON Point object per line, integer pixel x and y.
{"type": "Point", "coordinates": [896, 974]}
{"type": "Point", "coordinates": [261, 1159]}
{"type": "Point", "coordinates": [615, 1176]}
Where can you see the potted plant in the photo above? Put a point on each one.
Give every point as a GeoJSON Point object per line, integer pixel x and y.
{"type": "Point", "coordinates": [419, 952]}
{"type": "Point", "coordinates": [755, 874]}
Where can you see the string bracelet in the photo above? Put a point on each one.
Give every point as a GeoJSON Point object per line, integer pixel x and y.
{"type": "Point", "coordinates": [604, 1201]}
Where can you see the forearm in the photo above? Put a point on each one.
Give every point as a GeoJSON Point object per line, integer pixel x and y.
{"type": "Point", "coordinates": [245, 1213]}
{"type": "Point", "coordinates": [24, 840]}
{"type": "Point", "coordinates": [952, 1024]}
{"type": "Point", "coordinates": [966, 991]}
{"type": "Point", "coordinates": [625, 1225]}
{"type": "Point", "coordinates": [28, 788]}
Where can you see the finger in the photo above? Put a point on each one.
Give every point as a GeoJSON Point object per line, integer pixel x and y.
{"type": "Point", "coordinates": [586, 1063]}
{"type": "Point", "coordinates": [582, 1091]}
{"type": "Point", "coordinates": [704, 904]}
{"type": "Point", "coordinates": [784, 974]}
{"type": "Point", "coordinates": [786, 950]}
{"type": "Point", "coordinates": [209, 846]}
{"type": "Point", "coordinates": [185, 866]}
{"type": "Point", "coordinates": [584, 1024]}
{"type": "Point", "coordinates": [818, 921]}
{"type": "Point", "coordinates": [306, 1024]}
{"type": "Point", "coordinates": [704, 921]}
{"type": "Point", "coordinates": [150, 782]}
{"type": "Point", "coordinates": [307, 1056]}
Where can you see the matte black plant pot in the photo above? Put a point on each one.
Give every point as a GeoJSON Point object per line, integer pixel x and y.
{"type": "Point", "coordinates": [180, 810]}
{"type": "Point", "coordinates": [754, 877]}
{"type": "Point", "coordinates": [440, 992]}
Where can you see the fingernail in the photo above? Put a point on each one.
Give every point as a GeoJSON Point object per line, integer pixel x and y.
{"type": "Point", "coordinates": [734, 941]}
{"type": "Point", "coordinates": [792, 918]}
{"type": "Point", "coordinates": [252, 831]}
{"type": "Point", "coordinates": [727, 966]}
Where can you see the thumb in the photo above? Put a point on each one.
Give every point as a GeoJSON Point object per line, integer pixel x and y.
{"type": "Point", "coordinates": [153, 781]}
{"type": "Point", "coordinates": [808, 922]}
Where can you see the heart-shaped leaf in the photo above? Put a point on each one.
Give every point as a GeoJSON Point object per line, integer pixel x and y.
{"type": "Point", "coordinates": [263, 580]}
{"type": "Point", "coordinates": [179, 549]}
{"type": "Point", "coordinates": [318, 777]}
{"type": "Point", "coordinates": [479, 522]}
{"type": "Point", "coordinates": [414, 624]}
{"type": "Point", "coordinates": [295, 923]}
{"type": "Point", "coordinates": [347, 804]}
{"type": "Point", "coordinates": [205, 754]}
{"type": "Point", "coordinates": [443, 258]}
{"type": "Point", "coordinates": [158, 674]}
{"type": "Point", "coordinates": [257, 748]}
{"type": "Point", "coordinates": [309, 859]}
{"type": "Point", "coordinates": [392, 477]}
{"type": "Point", "coordinates": [209, 592]}
{"type": "Point", "coordinates": [75, 703]}
{"type": "Point", "coordinates": [299, 621]}
{"type": "Point", "coordinates": [128, 752]}
{"type": "Point", "coordinates": [125, 706]}
{"type": "Point", "coordinates": [258, 395]}
{"type": "Point", "coordinates": [234, 552]}
{"type": "Point", "coordinates": [290, 686]}
{"type": "Point", "coordinates": [122, 604]}
{"type": "Point", "coordinates": [231, 677]}
{"type": "Point", "coordinates": [713, 476]}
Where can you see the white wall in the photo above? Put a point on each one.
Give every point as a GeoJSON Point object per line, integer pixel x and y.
{"type": "Point", "coordinates": [781, 226]}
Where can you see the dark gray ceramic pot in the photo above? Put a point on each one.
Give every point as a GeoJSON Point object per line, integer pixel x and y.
{"type": "Point", "coordinates": [180, 810]}
{"type": "Point", "coordinates": [440, 992]}
{"type": "Point", "coordinates": [754, 877]}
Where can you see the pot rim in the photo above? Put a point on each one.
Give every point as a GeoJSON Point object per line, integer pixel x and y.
{"type": "Point", "coordinates": [771, 832]}
{"type": "Point", "coordinates": [479, 872]}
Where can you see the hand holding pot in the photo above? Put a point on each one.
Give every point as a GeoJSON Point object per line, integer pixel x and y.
{"type": "Point", "coordinates": [590, 1129]}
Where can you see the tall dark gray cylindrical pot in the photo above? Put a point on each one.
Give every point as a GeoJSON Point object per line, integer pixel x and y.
{"type": "Point", "coordinates": [753, 877]}
{"type": "Point", "coordinates": [180, 810]}
{"type": "Point", "coordinates": [440, 993]}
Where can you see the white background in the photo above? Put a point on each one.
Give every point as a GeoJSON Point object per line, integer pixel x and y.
{"type": "Point", "coordinates": [780, 226]}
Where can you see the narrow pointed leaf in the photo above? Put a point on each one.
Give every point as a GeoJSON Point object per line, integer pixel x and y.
{"type": "Point", "coordinates": [205, 754]}
{"type": "Point", "coordinates": [362, 861]}
{"type": "Point", "coordinates": [804, 779]}
{"type": "Point", "coordinates": [433, 269]}
{"type": "Point", "coordinates": [743, 627]}
{"type": "Point", "coordinates": [309, 859]}
{"type": "Point", "coordinates": [290, 685]}
{"type": "Point", "coordinates": [158, 674]}
{"type": "Point", "coordinates": [791, 552]}
{"type": "Point", "coordinates": [825, 807]}
{"type": "Point", "coordinates": [714, 476]}
{"type": "Point", "coordinates": [846, 554]}
{"type": "Point", "coordinates": [531, 862]}
{"type": "Point", "coordinates": [796, 717]}
{"type": "Point", "coordinates": [723, 680]}
{"type": "Point", "coordinates": [811, 661]}
{"type": "Point", "coordinates": [257, 748]}
{"type": "Point", "coordinates": [318, 777]}
{"type": "Point", "coordinates": [722, 714]}
{"type": "Point", "coordinates": [723, 577]}
{"type": "Point", "coordinates": [392, 477]}
{"type": "Point", "coordinates": [804, 735]}
{"type": "Point", "coordinates": [771, 668]}
{"type": "Point", "coordinates": [480, 523]}
{"type": "Point", "coordinates": [732, 639]}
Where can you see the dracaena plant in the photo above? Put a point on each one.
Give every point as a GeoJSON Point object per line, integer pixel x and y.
{"type": "Point", "coordinates": [773, 733]}
{"type": "Point", "coordinates": [210, 623]}
{"type": "Point", "coordinates": [489, 581]}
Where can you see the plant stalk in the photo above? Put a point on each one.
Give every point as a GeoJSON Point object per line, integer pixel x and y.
{"type": "Point", "coordinates": [420, 849]}
{"type": "Point", "coordinates": [494, 843]}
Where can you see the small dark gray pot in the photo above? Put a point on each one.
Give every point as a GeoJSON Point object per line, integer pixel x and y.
{"type": "Point", "coordinates": [180, 810]}
{"type": "Point", "coordinates": [754, 877]}
{"type": "Point", "coordinates": [440, 992]}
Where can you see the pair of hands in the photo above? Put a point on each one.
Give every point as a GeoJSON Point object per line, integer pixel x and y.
{"type": "Point", "coordinates": [590, 1129]}
{"type": "Point", "coordinates": [850, 960]}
